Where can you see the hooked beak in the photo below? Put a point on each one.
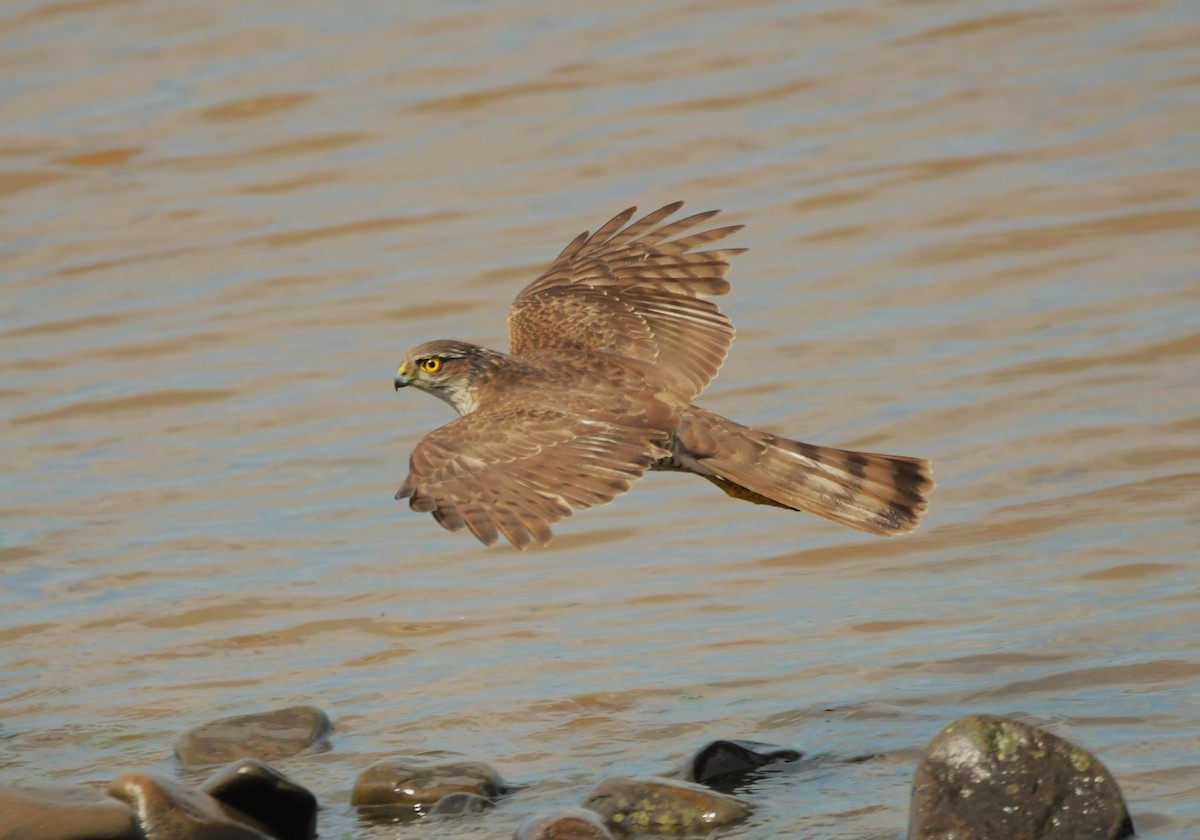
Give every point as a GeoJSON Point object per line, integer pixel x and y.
{"type": "Point", "coordinates": [402, 379]}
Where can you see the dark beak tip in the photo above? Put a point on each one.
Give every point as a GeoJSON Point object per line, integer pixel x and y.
{"type": "Point", "coordinates": [400, 383]}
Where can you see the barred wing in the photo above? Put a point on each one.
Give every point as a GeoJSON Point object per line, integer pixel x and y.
{"type": "Point", "coordinates": [635, 292]}
{"type": "Point", "coordinates": [514, 470]}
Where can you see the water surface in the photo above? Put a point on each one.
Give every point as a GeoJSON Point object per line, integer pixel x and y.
{"type": "Point", "coordinates": [974, 239]}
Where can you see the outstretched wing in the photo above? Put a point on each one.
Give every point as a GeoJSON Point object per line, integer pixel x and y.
{"type": "Point", "coordinates": [636, 292]}
{"type": "Point", "coordinates": [517, 469]}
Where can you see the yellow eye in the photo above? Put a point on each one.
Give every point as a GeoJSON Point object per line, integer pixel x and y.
{"type": "Point", "coordinates": [431, 365]}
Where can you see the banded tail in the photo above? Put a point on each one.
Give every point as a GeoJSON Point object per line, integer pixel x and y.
{"type": "Point", "coordinates": [880, 494]}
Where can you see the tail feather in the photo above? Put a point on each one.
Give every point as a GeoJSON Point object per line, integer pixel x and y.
{"type": "Point", "coordinates": [879, 494]}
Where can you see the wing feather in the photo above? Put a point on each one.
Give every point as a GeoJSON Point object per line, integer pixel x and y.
{"type": "Point", "coordinates": [515, 469]}
{"type": "Point", "coordinates": [635, 291]}
{"type": "Point", "coordinates": [676, 227]}
{"type": "Point", "coordinates": [606, 233]}
{"type": "Point", "coordinates": [644, 225]}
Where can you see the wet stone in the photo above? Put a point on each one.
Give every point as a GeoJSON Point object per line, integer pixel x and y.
{"type": "Point", "coordinates": [67, 813]}
{"type": "Point", "coordinates": [659, 806]}
{"type": "Point", "coordinates": [287, 810]}
{"type": "Point", "coordinates": [726, 765]}
{"type": "Point", "coordinates": [572, 824]}
{"type": "Point", "coordinates": [407, 787]}
{"type": "Point", "coordinates": [167, 811]}
{"type": "Point", "coordinates": [984, 776]}
{"type": "Point", "coordinates": [456, 804]}
{"type": "Point", "coordinates": [265, 736]}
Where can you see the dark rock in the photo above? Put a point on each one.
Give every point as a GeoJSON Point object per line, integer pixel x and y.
{"type": "Point", "coordinates": [287, 810]}
{"type": "Point", "coordinates": [407, 787]}
{"type": "Point", "coordinates": [167, 811]}
{"type": "Point", "coordinates": [455, 804]}
{"type": "Point", "coordinates": [266, 736]}
{"type": "Point", "coordinates": [573, 824]}
{"type": "Point", "coordinates": [659, 806]}
{"type": "Point", "coordinates": [726, 765]}
{"type": "Point", "coordinates": [987, 777]}
{"type": "Point", "coordinates": [64, 814]}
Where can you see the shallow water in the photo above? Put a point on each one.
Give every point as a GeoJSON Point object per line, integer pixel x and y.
{"type": "Point", "coordinates": [974, 239]}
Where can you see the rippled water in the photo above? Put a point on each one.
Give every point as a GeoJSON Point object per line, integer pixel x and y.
{"type": "Point", "coordinates": [974, 239]}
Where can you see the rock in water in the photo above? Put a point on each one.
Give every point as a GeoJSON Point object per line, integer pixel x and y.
{"type": "Point", "coordinates": [407, 787]}
{"type": "Point", "coordinates": [659, 806]}
{"type": "Point", "coordinates": [726, 765]}
{"type": "Point", "coordinates": [167, 811]}
{"type": "Point", "coordinates": [572, 824]}
{"type": "Point", "coordinates": [459, 803]}
{"type": "Point", "coordinates": [65, 813]}
{"type": "Point", "coordinates": [993, 778]}
{"type": "Point", "coordinates": [265, 736]}
{"type": "Point", "coordinates": [288, 810]}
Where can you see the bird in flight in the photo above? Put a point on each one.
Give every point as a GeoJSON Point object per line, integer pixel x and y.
{"type": "Point", "coordinates": [607, 350]}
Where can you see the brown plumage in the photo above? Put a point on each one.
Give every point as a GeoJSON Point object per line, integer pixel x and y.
{"type": "Point", "coordinates": [608, 348]}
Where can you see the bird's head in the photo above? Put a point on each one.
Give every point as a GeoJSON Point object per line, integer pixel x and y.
{"type": "Point", "coordinates": [450, 370]}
